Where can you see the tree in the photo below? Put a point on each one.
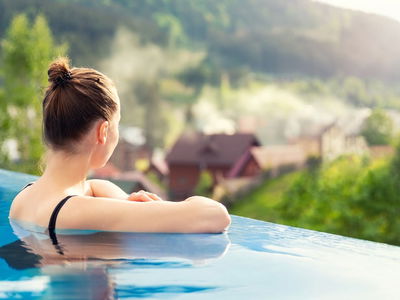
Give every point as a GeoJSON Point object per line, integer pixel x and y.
{"type": "Point", "coordinates": [350, 196]}
{"type": "Point", "coordinates": [378, 128]}
{"type": "Point", "coordinates": [27, 50]}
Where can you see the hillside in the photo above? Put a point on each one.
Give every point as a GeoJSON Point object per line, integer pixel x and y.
{"type": "Point", "coordinates": [283, 38]}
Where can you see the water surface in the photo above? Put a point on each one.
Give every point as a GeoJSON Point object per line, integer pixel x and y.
{"type": "Point", "coordinates": [253, 260]}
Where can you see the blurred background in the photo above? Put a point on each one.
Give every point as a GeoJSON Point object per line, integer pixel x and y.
{"type": "Point", "coordinates": [285, 111]}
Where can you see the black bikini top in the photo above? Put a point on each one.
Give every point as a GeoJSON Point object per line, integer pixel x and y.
{"type": "Point", "coordinates": [52, 223]}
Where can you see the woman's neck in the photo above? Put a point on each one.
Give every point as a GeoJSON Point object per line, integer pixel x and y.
{"type": "Point", "coordinates": [67, 171]}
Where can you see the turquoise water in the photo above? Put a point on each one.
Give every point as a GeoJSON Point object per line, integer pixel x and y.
{"type": "Point", "coordinates": [253, 260]}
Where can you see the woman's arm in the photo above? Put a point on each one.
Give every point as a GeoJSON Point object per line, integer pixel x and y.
{"type": "Point", "coordinates": [194, 215]}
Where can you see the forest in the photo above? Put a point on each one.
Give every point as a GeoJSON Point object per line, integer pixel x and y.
{"type": "Point", "coordinates": [283, 38]}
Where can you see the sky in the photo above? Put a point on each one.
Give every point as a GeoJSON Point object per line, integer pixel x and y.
{"type": "Point", "coordinates": [388, 8]}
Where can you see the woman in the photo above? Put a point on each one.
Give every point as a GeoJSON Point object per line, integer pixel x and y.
{"type": "Point", "coordinates": [81, 113]}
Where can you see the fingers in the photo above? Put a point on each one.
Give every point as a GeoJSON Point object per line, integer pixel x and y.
{"type": "Point", "coordinates": [151, 195]}
{"type": "Point", "coordinates": [154, 197]}
{"type": "Point", "coordinates": [140, 197]}
{"type": "Point", "coordinates": [144, 196]}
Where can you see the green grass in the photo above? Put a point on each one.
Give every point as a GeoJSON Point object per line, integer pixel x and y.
{"type": "Point", "coordinates": [260, 203]}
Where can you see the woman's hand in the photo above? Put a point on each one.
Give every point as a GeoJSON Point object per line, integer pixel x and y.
{"type": "Point", "coordinates": [143, 196]}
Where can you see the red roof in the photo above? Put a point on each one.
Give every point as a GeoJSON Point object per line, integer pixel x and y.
{"type": "Point", "coordinates": [215, 149]}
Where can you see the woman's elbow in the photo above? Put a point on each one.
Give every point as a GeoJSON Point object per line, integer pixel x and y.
{"type": "Point", "coordinates": [213, 217]}
{"type": "Point", "coordinates": [221, 220]}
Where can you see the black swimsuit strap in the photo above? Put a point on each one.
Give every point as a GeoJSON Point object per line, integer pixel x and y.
{"type": "Point", "coordinates": [53, 219]}
{"type": "Point", "coordinates": [27, 185]}
{"type": "Point", "coordinates": [52, 223]}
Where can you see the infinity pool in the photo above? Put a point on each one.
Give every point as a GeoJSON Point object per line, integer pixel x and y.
{"type": "Point", "coordinates": [253, 260]}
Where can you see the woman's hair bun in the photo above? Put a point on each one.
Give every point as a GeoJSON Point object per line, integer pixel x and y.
{"type": "Point", "coordinates": [73, 101]}
{"type": "Point", "coordinates": [58, 70]}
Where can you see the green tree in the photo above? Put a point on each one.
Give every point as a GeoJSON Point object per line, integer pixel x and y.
{"type": "Point", "coordinates": [378, 128]}
{"type": "Point", "coordinates": [351, 196]}
{"type": "Point", "coordinates": [173, 28]}
{"type": "Point", "coordinates": [27, 50]}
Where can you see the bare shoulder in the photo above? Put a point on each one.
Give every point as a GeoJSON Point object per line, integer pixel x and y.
{"type": "Point", "coordinates": [18, 202]}
{"type": "Point", "coordinates": [15, 207]}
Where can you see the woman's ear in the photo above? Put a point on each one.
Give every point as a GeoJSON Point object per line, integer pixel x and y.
{"type": "Point", "coordinates": [102, 131]}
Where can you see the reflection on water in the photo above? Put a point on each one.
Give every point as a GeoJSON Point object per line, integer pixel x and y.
{"type": "Point", "coordinates": [115, 247]}
{"type": "Point", "coordinates": [82, 271]}
{"type": "Point", "coordinates": [151, 291]}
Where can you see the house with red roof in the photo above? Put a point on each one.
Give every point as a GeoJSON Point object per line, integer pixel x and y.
{"type": "Point", "coordinates": [223, 155]}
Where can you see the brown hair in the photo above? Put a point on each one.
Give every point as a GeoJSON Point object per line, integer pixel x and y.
{"type": "Point", "coordinates": [74, 100]}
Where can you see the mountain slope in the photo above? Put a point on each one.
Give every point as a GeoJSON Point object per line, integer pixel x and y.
{"type": "Point", "coordinates": [284, 38]}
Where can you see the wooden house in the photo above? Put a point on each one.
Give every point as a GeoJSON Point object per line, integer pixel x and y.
{"type": "Point", "coordinates": [223, 155]}
{"type": "Point", "coordinates": [331, 142]}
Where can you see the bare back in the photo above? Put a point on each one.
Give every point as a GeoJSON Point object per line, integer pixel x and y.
{"type": "Point", "coordinates": [35, 204]}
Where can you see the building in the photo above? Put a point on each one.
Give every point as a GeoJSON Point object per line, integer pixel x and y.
{"type": "Point", "coordinates": [223, 155]}
{"type": "Point", "coordinates": [278, 158]}
{"type": "Point", "coordinates": [331, 142]}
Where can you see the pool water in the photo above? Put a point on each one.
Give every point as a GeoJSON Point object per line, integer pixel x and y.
{"type": "Point", "coordinates": [253, 260]}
